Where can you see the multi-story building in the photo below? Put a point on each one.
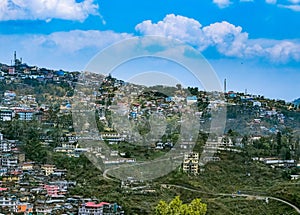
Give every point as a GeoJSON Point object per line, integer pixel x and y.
{"type": "Point", "coordinates": [5, 146]}
{"type": "Point", "coordinates": [52, 190]}
{"type": "Point", "coordinates": [49, 169]}
{"type": "Point", "coordinates": [9, 161]}
{"type": "Point", "coordinates": [63, 185]}
{"type": "Point", "coordinates": [8, 202]}
{"type": "Point", "coordinates": [9, 94]}
{"type": "Point", "coordinates": [92, 208]}
{"type": "Point", "coordinates": [103, 208]}
{"type": "Point", "coordinates": [6, 114]}
{"type": "Point", "coordinates": [113, 137]}
{"type": "Point", "coordinates": [24, 115]}
{"type": "Point", "coordinates": [43, 210]}
{"type": "Point", "coordinates": [191, 163]}
{"type": "Point", "coordinates": [28, 166]}
{"type": "Point", "coordinates": [3, 171]}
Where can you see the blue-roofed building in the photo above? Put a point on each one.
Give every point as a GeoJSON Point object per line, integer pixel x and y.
{"type": "Point", "coordinates": [191, 100]}
{"type": "Point", "coordinates": [133, 115]}
{"type": "Point", "coordinates": [169, 99]}
{"type": "Point", "coordinates": [232, 94]}
{"type": "Point", "coordinates": [60, 73]}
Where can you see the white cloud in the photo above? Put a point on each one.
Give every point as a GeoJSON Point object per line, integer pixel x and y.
{"type": "Point", "coordinates": [271, 1]}
{"type": "Point", "coordinates": [47, 9]}
{"type": "Point", "coordinates": [177, 27]}
{"type": "Point", "coordinates": [291, 7]}
{"type": "Point", "coordinates": [294, 1]}
{"type": "Point", "coordinates": [228, 39]}
{"type": "Point", "coordinates": [67, 50]}
{"type": "Point", "coordinates": [222, 3]}
{"type": "Point", "coordinates": [283, 51]}
{"type": "Point", "coordinates": [78, 40]}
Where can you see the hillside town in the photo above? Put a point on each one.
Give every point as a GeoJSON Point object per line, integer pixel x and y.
{"type": "Point", "coordinates": [46, 99]}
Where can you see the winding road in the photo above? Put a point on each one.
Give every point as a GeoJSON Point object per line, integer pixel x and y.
{"type": "Point", "coordinates": [105, 175]}
{"type": "Point", "coordinates": [237, 195]}
{"type": "Point", "coordinates": [219, 194]}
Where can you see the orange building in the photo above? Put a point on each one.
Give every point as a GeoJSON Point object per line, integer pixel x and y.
{"type": "Point", "coordinates": [25, 208]}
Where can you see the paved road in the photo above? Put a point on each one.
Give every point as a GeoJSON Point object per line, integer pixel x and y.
{"type": "Point", "coordinates": [106, 172]}
{"type": "Point", "coordinates": [105, 175]}
{"type": "Point", "coordinates": [243, 195]}
{"type": "Point", "coordinates": [218, 194]}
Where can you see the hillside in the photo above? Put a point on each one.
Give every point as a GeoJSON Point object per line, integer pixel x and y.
{"type": "Point", "coordinates": [43, 111]}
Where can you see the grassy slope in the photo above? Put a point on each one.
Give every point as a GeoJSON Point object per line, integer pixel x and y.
{"type": "Point", "coordinates": [226, 176]}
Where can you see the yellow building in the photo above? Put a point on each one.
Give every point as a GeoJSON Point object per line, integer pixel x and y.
{"type": "Point", "coordinates": [48, 168]}
{"type": "Point", "coordinates": [27, 166]}
{"type": "Point", "coordinates": [191, 163]}
{"type": "Point", "coordinates": [11, 178]}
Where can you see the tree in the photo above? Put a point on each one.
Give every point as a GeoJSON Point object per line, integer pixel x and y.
{"type": "Point", "coordinates": [197, 207]}
{"type": "Point", "coordinates": [297, 149]}
{"type": "Point", "coordinates": [176, 207]}
{"type": "Point", "coordinates": [285, 153]}
{"type": "Point", "coordinates": [279, 141]}
{"type": "Point", "coordinates": [32, 146]}
{"type": "Point", "coordinates": [178, 86]}
{"type": "Point", "coordinates": [245, 140]}
{"type": "Point", "coordinates": [193, 90]}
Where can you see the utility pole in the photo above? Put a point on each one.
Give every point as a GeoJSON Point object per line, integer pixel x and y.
{"type": "Point", "coordinates": [15, 58]}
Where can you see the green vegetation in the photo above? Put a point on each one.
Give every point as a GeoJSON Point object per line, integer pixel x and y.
{"type": "Point", "coordinates": [225, 177]}
{"type": "Point", "coordinates": [176, 207]}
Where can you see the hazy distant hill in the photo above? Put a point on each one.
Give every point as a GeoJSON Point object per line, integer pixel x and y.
{"type": "Point", "coordinates": [297, 102]}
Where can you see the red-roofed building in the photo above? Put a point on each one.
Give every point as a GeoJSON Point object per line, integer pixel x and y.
{"type": "Point", "coordinates": [52, 190]}
{"type": "Point", "coordinates": [3, 189]}
{"type": "Point", "coordinates": [94, 205]}
{"type": "Point", "coordinates": [102, 208]}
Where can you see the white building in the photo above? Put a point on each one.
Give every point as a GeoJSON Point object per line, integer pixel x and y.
{"type": "Point", "coordinates": [9, 161]}
{"type": "Point", "coordinates": [10, 202]}
{"type": "Point", "coordinates": [6, 114]}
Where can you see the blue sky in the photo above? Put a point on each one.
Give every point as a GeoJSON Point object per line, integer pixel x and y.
{"type": "Point", "coordinates": [254, 44]}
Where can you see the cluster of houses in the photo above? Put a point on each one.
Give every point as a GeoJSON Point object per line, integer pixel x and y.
{"type": "Point", "coordinates": [267, 117]}
{"type": "Point", "coordinates": [20, 71]}
{"type": "Point", "coordinates": [24, 106]}
{"type": "Point", "coordinates": [137, 103]}
{"type": "Point", "coordinates": [32, 188]}
{"type": "Point", "coordinates": [277, 163]}
{"type": "Point", "coordinates": [20, 107]}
